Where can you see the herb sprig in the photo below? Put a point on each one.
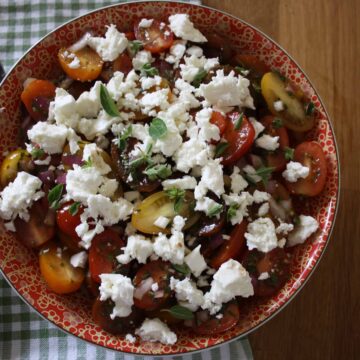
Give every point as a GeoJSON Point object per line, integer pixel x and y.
{"type": "Point", "coordinates": [107, 102]}
{"type": "Point", "coordinates": [149, 70]}
{"type": "Point", "coordinates": [54, 196]}
{"type": "Point", "coordinates": [178, 195]}
{"type": "Point", "coordinates": [180, 312]}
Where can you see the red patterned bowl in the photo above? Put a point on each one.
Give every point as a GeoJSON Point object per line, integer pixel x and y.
{"type": "Point", "coordinates": [72, 312]}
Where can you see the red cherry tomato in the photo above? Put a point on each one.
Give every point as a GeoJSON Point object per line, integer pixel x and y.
{"type": "Point", "coordinates": [239, 140]}
{"type": "Point", "coordinates": [218, 119]}
{"type": "Point", "coordinates": [67, 222]}
{"type": "Point", "coordinates": [130, 35]}
{"type": "Point", "coordinates": [310, 154]}
{"type": "Point", "coordinates": [102, 254]}
{"type": "Point", "coordinates": [276, 263]}
{"type": "Point", "coordinates": [122, 63]}
{"type": "Point", "coordinates": [214, 325]}
{"type": "Point", "coordinates": [252, 62]}
{"type": "Point", "coordinates": [231, 248]}
{"type": "Point", "coordinates": [159, 271]}
{"type": "Point", "coordinates": [154, 38]}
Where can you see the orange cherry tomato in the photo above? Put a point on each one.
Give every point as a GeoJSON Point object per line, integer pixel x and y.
{"type": "Point", "coordinates": [310, 154]}
{"type": "Point", "coordinates": [37, 96]}
{"type": "Point", "coordinates": [218, 119]}
{"type": "Point", "coordinates": [154, 38]}
{"type": "Point", "coordinates": [232, 248]}
{"type": "Point", "coordinates": [90, 64]}
{"type": "Point", "coordinates": [239, 140]}
{"type": "Point", "coordinates": [66, 222]}
{"type": "Point", "coordinates": [59, 274]}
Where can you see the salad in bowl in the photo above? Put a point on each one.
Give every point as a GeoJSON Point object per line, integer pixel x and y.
{"type": "Point", "coordinates": [160, 174]}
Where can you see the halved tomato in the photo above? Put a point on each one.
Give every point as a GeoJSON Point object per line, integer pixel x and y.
{"type": "Point", "coordinates": [123, 63]}
{"type": "Point", "coordinates": [310, 154]}
{"type": "Point", "coordinates": [66, 222]}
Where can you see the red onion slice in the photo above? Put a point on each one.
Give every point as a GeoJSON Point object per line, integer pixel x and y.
{"type": "Point", "coordinates": [143, 288]}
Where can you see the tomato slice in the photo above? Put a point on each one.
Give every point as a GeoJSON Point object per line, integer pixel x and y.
{"type": "Point", "coordinates": [213, 325]}
{"type": "Point", "coordinates": [239, 140]}
{"type": "Point", "coordinates": [102, 254]}
{"type": "Point", "coordinates": [101, 311]}
{"type": "Point", "coordinates": [231, 248]}
{"type": "Point", "coordinates": [218, 119]}
{"type": "Point", "coordinates": [310, 154]}
{"type": "Point", "coordinates": [276, 263]}
{"type": "Point", "coordinates": [276, 159]}
{"type": "Point", "coordinates": [67, 222]}
{"type": "Point", "coordinates": [37, 96]}
{"type": "Point", "coordinates": [90, 63]}
{"type": "Point", "coordinates": [123, 63]}
{"type": "Point", "coordinates": [159, 271]}
{"type": "Point", "coordinates": [59, 274]}
{"type": "Point", "coordinates": [155, 38]}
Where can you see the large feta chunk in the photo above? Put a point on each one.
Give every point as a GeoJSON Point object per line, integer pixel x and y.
{"type": "Point", "coordinates": [138, 248]}
{"type": "Point", "coordinates": [295, 171]}
{"type": "Point", "coordinates": [184, 183]}
{"type": "Point", "coordinates": [182, 27]}
{"type": "Point", "coordinates": [261, 235]}
{"type": "Point", "coordinates": [306, 227]}
{"type": "Point", "coordinates": [156, 99]}
{"type": "Point", "coordinates": [155, 330]}
{"type": "Point", "coordinates": [88, 104]}
{"type": "Point", "coordinates": [208, 131]}
{"type": "Point", "coordinates": [187, 294]}
{"type": "Point", "coordinates": [195, 261]}
{"type": "Point", "coordinates": [92, 154]}
{"type": "Point", "coordinates": [63, 109]}
{"type": "Point", "coordinates": [268, 142]}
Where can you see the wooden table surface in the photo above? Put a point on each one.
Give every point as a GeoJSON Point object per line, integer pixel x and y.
{"type": "Point", "coordinates": [324, 37]}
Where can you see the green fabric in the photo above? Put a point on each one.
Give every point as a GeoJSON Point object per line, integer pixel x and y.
{"type": "Point", "coordinates": [23, 333]}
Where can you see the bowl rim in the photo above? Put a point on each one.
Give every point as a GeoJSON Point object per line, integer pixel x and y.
{"type": "Point", "coordinates": [337, 196]}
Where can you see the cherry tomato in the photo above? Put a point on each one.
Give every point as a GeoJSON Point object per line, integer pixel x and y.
{"type": "Point", "coordinates": [155, 38]}
{"type": "Point", "coordinates": [130, 35]}
{"type": "Point", "coordinates": [276, 263]}
{"type": "Point", "coordinates": [73, 244]}
{"type": "Point", "coordinates": [102, 254]}
{"type": "Point", "coordinates": [67, 222]}
{"type": "Point", "coordinates": [218, 119]}
{"type": "Point", "coordinates": [239, 140]}
{"type": "Point", "coordinates": [37, 96]}
{"type": "Point", "coordinates": [159, 271]}
{"type": "Point", "coordinates": [213, 325]}
{"type": "Point", "coordinates": [276, 159]}
{"type": "Point", "coordinates": [40, 227]}
{"type": "Point", "coordinates": [90, 63]}
{"type": "Point", "coordinates": [310, 154]}
{"type": "Point", "coordinates": [251, 62]}
{"type": "Point", "coordinates": [92, 285]}
{"type": "Point", "coordinates": [59, 274]}
{"type": "Point", "coordinates": [123, 63]}
{"type": "Point", "coordinates": [101, 311]}
{"type": "Point", "coordinates": [231, 248]}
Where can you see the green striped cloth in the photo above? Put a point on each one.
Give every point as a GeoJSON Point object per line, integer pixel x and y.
{"type": "Point", "coordinates": [23, 333]}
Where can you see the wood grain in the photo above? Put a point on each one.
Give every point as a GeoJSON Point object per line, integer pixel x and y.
{"type": "Point", "coordinates": [324, 37]}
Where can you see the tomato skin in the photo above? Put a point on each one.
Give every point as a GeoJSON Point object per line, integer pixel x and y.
{"type": "Point", "coordinates": [130, 35]}
{"type": "Point", "coordinates": [36, 90]}
{"type": "Point", "coordinates": [310, 154]}
{"type": "Point", "coordinates": [102, 253]}
{"type": "Point", "coordinates": [219, 120]}
{"type": "Point", "coordinates": [251, 62]}
{"type": "Point", "coordinates": [59, 274]}
{"type": "Point", "coordinates": [66, 222]}
{"type": "Point", "coordinates": [232, 248]}
{"type": "Point", "coordinates": [159, 271]}
{"type": "Point", "coordinates": [239, 140]}
{"type": "Point", "coordinates": [154, 38]}
{"type": "Point", "coordinates": [213, 326]}
{"type": "Point", "coordinates": [122, 63]}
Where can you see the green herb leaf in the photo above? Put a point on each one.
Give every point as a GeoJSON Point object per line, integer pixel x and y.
{"type": "Point", "coordinates": [148, 70]}
{"type": "Point", "coordinates": [159, 171]}
{"type": "Point", "coordinates": [199, 77]}
{"type": "Point", "coordinates": [107, 102]}
{"type": "Point", "coordinates": [183, 269]}
{"type": "Point", "coordinates": [220, 148]}
{"type": "Point", "coordinates": [265, 173]}
{"type": "Point", "coordinates": [178, 196]}
{"type": "Point", "coordinates": [239, 121]}
{"type": "Point", "coordinates": [54, 196]}
{"type": "Point", "coordinates": [241, 69]}
{"type": "Point", "coordinates": [232, 211]}
{"type": "Point", "coordinates": [135, 46]}
{"type": "Point", "coordinates": [37, 153]}
{"type": "Point", "coordinates": [157, 128]}
{"type": "Point", "coordinates": [215, 210]}
{"type": "Point", "coordinates": [133, 164]}
{"type": "Point", "coordinates": [74, 208]}
{"type": "Point", "coordinates": [289, 153]}
{"type": "Point", "coordinates": [180, 312]}
{"type": "Point", "coordinates": [310, 108]}
{"type": "Point", "coordinates": [124, 136]}
{"type": "Point", "coordinates": [277, 123]}
{"type": "Point", "coordinates": [87, 164]}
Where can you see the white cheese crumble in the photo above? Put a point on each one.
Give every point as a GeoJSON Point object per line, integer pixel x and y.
{"type": "Point", "coordinates": [177, 51]}
{"type": "Point", "coordinates": [229, 281]}
{"type": "Point", "coordinates": [145, 23]}
{"type": "Point", "coordinates": [240, 203]}
{"type": "Point", "coordinates": [149, 82]}
{"type": "Point", "coordinates": [141, 58]}
{"type": "Point", "coordinates": [155, 330]}
{"type": "Point", "coordinates": [130, 338]}
{"type": "Point", "coordinates": [137, 247]}
{"type": "Point", "coordinates": [162, 222]}
{"type": "Point", "coordinates": [120, 290]}
{"type": "Point", "coordinates": [195, 261]}
{"type": "Point", "coordinates": [261, 235]}
{"type": "Point", "coordinates": [195, 50]}
{"type": "Point", "coordinates": [75, 63]}
{"type": "Point", "coordinates": [206, 204]}
{"type": "Point", "coordinates": [306, 227]}
{"type": "Point", "coordinates": [279, 106]}
{"type": "Point", "coordinates": [193, 64]}
{"type": "Point", "coordinates": [267, 142]}
{"type": "Point", "coordinates": [79, 259]}
{"type": "Point", "coordinates": [88, 103]}
{"type": "Point", "coordinates": [258, 126]}
{"type": "Point", "coordinates": [187, 294]}
{"type": "Point", "coordinates": [238, 183]}
{"type": "Point", "coordinates": [261, 196]}
{"type": "Point", "coordinates": [284, 228]}
{"type": "Point", "coordinates": [264, 209]}
{"type": "Point", "coordinates": [19, 195]}
{"type": "Point", "coordinates": [295, 171]}
{"type": "Point", "coordinates": [186, 182]}
{"type": "Point", "coordinates": [182, 27]}
{"type": "Point", "coordinates": [264, 276]}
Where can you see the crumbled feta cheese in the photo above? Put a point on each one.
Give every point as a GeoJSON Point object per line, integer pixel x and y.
{"type": "Point", "coordinates": [130, 338]}
{"type": "Point", "coordinates": [75, 63]}
{"type": "Point", "coordinates": [155, 330]}
{"type": "Point", "coordinates": [229, 281]}
{"type": "Point", "coordinates": [46, 161]}
{"type": "Point", "coordinates": [132, 196]}
{"type": "Point", "coordinates": [264, 276]}
{"type": "Point", "coordinates": [279, 106]}
{"type": "Point", "coordinates": [251, 172]}
{"type": "Point", "coordinates": [154, 99]}
{"type": "Point", "coordinates": [184, 183]}
{"type": "Point", "coordinates": [162, 222]}
{"type": "Point", "coordinates": [137, 247]}
{"type": "Point", "coordinates": [241, 203]}
{"type": "Point", "coordinates": [268, 142]}
{"type": "Point", "coordinates": [258, 126]}
{"type": "Point", "coordinates": [79, 259]}
{"type": "Point", "coordinates": [238, 183]}
{"type": "Point", "coordinates": [110, 47]}
{"type": "Point", "coordinates": [88, 103]}
{"type": "Point", "coordinates": [195, 50]}
{"type": "Point", "coordinates": [195, 261]}
{"type": "Point", "coordinates": [206, 204]}
{"type": "Point", "coordinates": [264, 209]}
{"type": "Point", "coordinates": [306, 227]}
{"type": "Point", "coordinates": [145, 23]}
{"type": "Point", "coordinates": [261, 235]}
{"type": "Point", "coordinates": [295, 171]}
{"type": "Point", "coordinates": [182, 27]}
{"type": "Point", "coordinates": [208, 131]}
{"type": "Point", "coordinates": [187, 294]}
{"type": "Point", "coordinates": [19, 195]}
{"type": "Point", "coordinates": [93, 154]}
{"type": "Point", "coordinates": [86, 234]}
{"type": "Point", "coordinates": [281, 243]}
{"type": "Point", "coordinates": [149, 82]}
{"type": "Point", "coordinates": [193, 64]}
{"type": "Point", "coordinates": [261, 196]}
{"type": "Point", "coordinates": [155, 287]}
{"type": "Point", "coordinates": [10, 226]}
{"type": "Point", "coordinates": [141, 58]}
{"type": "Point", "coordinates": [226, 91]}
{"type": "Point", "coordinates": [177, 51]}
{"type": "Point", "coordinates": [284, 228]}
{"type": "Point", "coordinates": [63, 109]}
{"type": "Point", "coordinates": [120, 290]}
